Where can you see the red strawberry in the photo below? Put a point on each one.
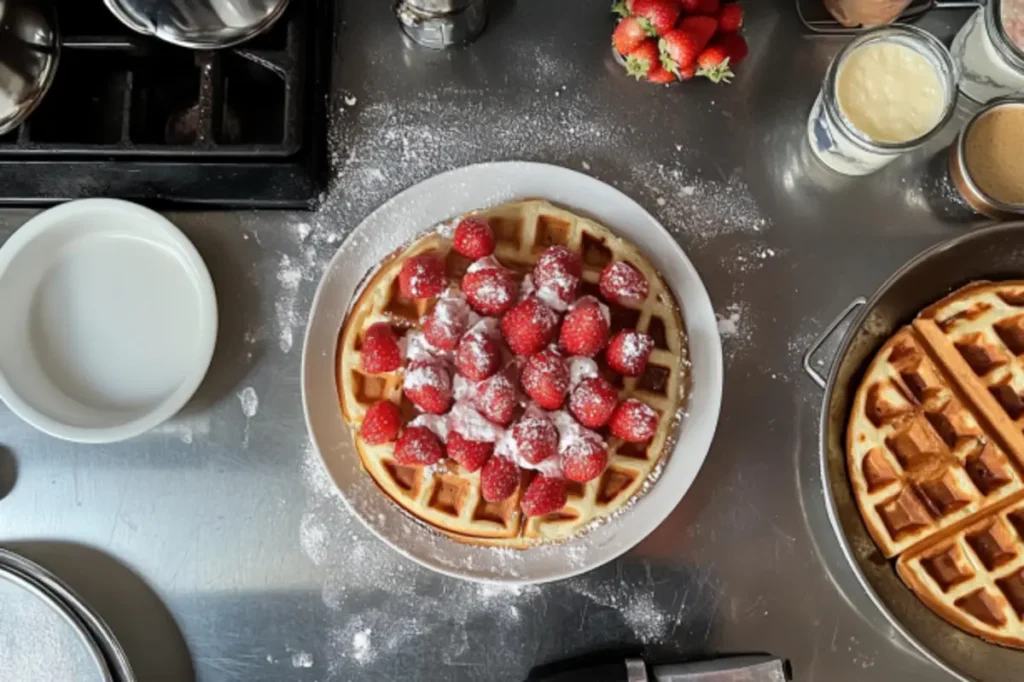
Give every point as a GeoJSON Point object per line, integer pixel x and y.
{"type": "Point", "coordinates": [622, 283]}
{"type": "Point", "coordinates": [702, 28]}
{"type": "Point", "coordinates": [657, 16]}
{"type": "Point", "coordinates": [688, 72]}
{"type": "Point", "coordinates": [628, 351]}
{"type": "Point", "coordinates": [447, 322]}
{"type": "Point", "coordinates": [642, 59]}
{"type": "Point", "coordinates": [592, 401]}
{"type": "Point", "coordinates": [659, 74]}
{"type": "Point", "coordinates": [422, 276]}
{"type": "Point", "coordinates": [498, 479]}
{"type": "Point", "coordinates": [470, 454]}
{"type": "Point", "coordinates": [628, 35]}
{"type": "Point", "coordinates": [381, 423]}
{"type": "Point", "coordinates": [473, 238]}
{"type": "Point", "coordinates": [708, 7]}
{"type": "Point", "coordinates": [536, 438]}
{"type": "Point", "coordinates": [489, 288]}
{"type": "Point", "coordinates": [585, 328]}
{"type": "Point", "coordinates": [735, 46]}
{"type": "Point", "coordinates": [429, 386]}
{"type": "Point", "coordinates": [544, 495]}
{"type": "Point", "coordinates": [380, 351]}
{"type": "Point", "coordinates": [690, 6]}
{"type": "Point", "coordinates": [730, 17]}
{"type": "Point", "coordinates": [585, 459]}
{"type": "Point", "coordinates": [496, 399]}
{"type": "Point", "coordinates": [556, 276]}
{"type": "Point", "coordinates": [634, 421]}
{"type": "Point", "coordinates": [528, 326]}
{"type": "Point", "coordinates": [713, 64]}
{"type": "Point", "coordinates": [679, 49]}
{"type": "Point", "coordinates": [545, 378]}
{"type": "Point", "coordinates": [418, 445]}
{"type": "Point", "coordinates": [479, 354]}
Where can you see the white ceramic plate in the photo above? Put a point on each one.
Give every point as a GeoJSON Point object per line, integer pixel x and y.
{"type": "Point", "coordinates": [108, 320]}
{"type": "Point", "coordinates": [411, 213]}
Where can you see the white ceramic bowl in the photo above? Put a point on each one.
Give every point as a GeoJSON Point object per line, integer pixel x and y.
{"type": "Point", "coordinates": [414, 211]}
{"type": "Point", "coordinates": [108, 320]}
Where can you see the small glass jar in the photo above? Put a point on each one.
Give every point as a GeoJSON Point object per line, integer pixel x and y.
{"type": "Point", "coordinates": [834, 138]}
{"type": "Point", "coordinates": [990, 65]}
{"type": "Point", "coordinates": [969, 180]}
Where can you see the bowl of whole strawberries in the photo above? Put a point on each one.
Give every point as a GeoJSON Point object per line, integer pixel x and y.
{"type": "Point", "coordinates": [664, 41]}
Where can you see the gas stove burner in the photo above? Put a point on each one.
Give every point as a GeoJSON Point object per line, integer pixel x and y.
{"type": "Point", "coordinates": [130, 116]}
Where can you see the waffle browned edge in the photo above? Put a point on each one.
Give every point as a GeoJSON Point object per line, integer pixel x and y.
{"type": "Point", "coordinates": [368, 284]}
{"type": "Point", "coordinates": [910, 577]}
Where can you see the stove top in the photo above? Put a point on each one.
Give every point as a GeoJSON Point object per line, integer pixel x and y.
{"type": "Point", "coordinates": [130, 116]}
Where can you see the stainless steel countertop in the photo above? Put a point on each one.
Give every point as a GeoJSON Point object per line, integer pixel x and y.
{"type": "Point", "coordinates": [216, 547]}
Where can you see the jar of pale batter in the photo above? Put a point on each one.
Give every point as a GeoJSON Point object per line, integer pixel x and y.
{"type": "Point", "coordinates": [989, 51]}
{"type": "Point", "coordinates": [885, 94]}
{"type": "Point", "coordinates": [986, 161]}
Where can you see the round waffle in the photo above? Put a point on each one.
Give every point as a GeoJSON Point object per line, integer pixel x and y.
{"type": "Point", "coordinates": [447, 497]}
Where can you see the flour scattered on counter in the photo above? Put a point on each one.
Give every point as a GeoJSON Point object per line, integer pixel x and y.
{"type": "Point", "coordinates": [735, 329]}
{"type": "Point", "coordinates": [250, 401]}
{"type": "Point", "coordinates": [302, 659]}
{"type": "Point", "coordinates": [729, 326]}
{"type": "Point", "coordinates": [289, 276]}
{"type": "Point", "coordinates": [361, 645]}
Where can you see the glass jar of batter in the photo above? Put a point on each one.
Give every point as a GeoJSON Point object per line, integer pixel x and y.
{"type": "Point", "coordinates": [989, 51]}
{"type": "Point", "coordinates": [885, 94]}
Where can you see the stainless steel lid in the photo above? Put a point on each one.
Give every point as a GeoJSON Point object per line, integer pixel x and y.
{"type": "Point", "coordinates": [199, 24]}
{"type": "Point", "coordinates": [29, 50]}
{"type": "Point", "coordinates": [41, 640]}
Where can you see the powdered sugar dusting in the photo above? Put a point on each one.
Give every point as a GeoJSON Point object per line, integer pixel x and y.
{"type": "Point", "coordinates": [735, 329]}
{"type": "Point", "coordinates": [437, 424]}
{"type": "Point", "coordinates": [581, 368]}
{"type": "Point", "coordinates": [472, 425]}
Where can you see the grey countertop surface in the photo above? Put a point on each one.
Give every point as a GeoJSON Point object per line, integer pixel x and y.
{"type": "Point", "coordinates": [217, 548]}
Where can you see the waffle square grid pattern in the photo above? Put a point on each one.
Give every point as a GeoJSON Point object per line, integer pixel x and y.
{"type": "Point", "coordinates": [446, 496]}
{"type": "Point", "coordinates": [935, 455]}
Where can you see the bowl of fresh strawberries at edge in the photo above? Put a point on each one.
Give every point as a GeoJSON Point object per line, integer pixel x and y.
{"type": "Point", "coordinates": [663, 41]}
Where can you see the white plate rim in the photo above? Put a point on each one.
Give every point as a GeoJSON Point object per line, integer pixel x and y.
{"type": "Point", "coordinates": [48, 219]}
{"type": "Point", "coordinates": [695, 436]}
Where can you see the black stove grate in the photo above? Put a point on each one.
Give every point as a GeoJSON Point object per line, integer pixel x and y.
{"type": "Point", "coordinates": [133, 117]}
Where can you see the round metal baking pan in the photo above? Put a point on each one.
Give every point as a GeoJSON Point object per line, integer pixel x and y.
{"type": "Point", "coordinates": [993, 253]}
{"type": "Point", "coordinates": [43, 639]}
{"type": "Point", "coordinates": [101, 634]}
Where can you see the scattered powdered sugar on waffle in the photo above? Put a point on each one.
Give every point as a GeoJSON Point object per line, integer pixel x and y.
{"type": "Point", "coordinates": [302, 659]}
{"type": "Point", "coordinates": [735, 329]}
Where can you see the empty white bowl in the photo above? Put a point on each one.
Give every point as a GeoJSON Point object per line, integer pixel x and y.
{"type": "Point", "coordinates": [108, 320]}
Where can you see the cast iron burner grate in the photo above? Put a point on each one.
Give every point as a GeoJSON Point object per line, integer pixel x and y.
{"type": "Point", "coordinates": [133, 117]}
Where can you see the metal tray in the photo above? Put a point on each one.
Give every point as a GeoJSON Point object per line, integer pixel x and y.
{"type": "Point", "coordinates": [991, 253]}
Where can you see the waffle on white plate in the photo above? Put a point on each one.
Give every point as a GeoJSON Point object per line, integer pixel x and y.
{"type": "Point", "coordinates": [935, 455]}
{"type": "Point", "coordinates": [447, 496]}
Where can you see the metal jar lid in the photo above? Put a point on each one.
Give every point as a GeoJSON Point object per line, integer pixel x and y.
{"type": "Point", "coordinates": [961, 175]}
{"type": "Point", "coordinates": [199, 24]}
{"type": "Point", "coordinates": [42, 640]}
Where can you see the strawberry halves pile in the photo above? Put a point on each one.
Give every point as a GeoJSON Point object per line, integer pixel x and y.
{"type": "Point", "coordinates": [503, 373]}
{"type": "Point", "coordinates": [667, 40]}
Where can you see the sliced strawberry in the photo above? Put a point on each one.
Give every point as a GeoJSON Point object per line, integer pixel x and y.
{"type": "Point", "coordinates": [447, 322]}
{"type": "Point", "coordinates": [428, 385]}
{"type": "Point", "coordinates": [544, 495]}
{"type": "Point", "coordinates": [628, 352]}
{"type": "Point", "coordinates": [496, 399]}
{"type": "Point", "coordinates": [657, 16]}
{"type": "Point", "coordinates": [498, 479]}
{"type": "Point", "coordinates": [556, 276]}
{"type": "Point", "coordinates": [473, 238]}
{"type": "Point", "coordinates": [634, 421]}
{"type": "Point", "coordinates": [381, 423]}
{"type": "Point", "coordinates": [380, 351]}
{"type": "Point", "coordinates": [422, 276]}
{"type": "Point", "coordinates": [479, 354]}
{"type": "Point", "coordinates": [535, 437]}
{"type": "Point", "coordinates": [585, 327]}
{"type": "Point", "coordinates": [584, 459]}
{"type": "Point", "coordinates": [545, 378]}
{"type": "Point", "coordinates": [628, 35]}
{"type": "Point", "coordinates": [592, 401]}
{"type": "Point", "coordinates": [528, 326]}
{"type": "Point", "coordinates": [622, 283]}
{"type": "Point", "coordinates": [489, 288]}
{"type": "Point", "coordinates": [730, 18]}
{"type": "Point", "coordinates": [470, 454]}
{"type": "Point", "coordinates": [418, 446]}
